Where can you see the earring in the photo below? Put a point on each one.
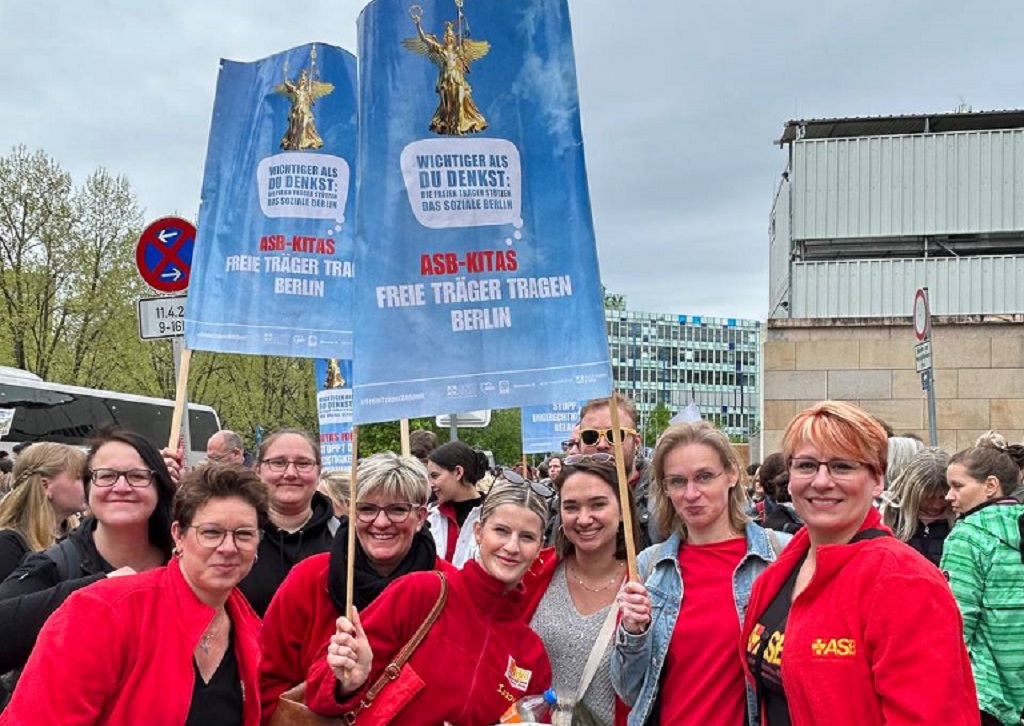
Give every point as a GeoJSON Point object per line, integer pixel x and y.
{"type": "Point", "coordinates": [256, 557]}
{"type": "Point", "coordinates": [177, 552]}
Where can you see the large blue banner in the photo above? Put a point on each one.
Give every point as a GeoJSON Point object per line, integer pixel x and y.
{"type": "Point", "coordinates": [273, 263]}
{"type": "Point", "coordinates": [546, 427]}
{"type": "Point", "coordinates": [334, 412]}
{"type": "Point", "coordinates": [478, 282]}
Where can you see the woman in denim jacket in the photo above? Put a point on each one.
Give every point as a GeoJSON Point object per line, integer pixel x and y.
{"type": "Point", "coordinates": [675, 657]}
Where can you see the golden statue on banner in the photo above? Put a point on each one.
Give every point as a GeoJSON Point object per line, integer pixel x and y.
{"type": "Point", "coordinates": [303, 93]}
{"type": "Point", "coordinates": [334, 378]}
{"type": "Point", "coordinates": [456, 112]}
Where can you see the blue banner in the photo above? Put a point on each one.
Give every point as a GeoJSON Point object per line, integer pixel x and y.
{"type": "Point", "coordinates": [478, 281]}
{"type": "Point", "coordinates": [273, 267]}
{"type": "Point", "coordinates": [546, 427]}
{"type": "Point", "coordinates": [334, 411]}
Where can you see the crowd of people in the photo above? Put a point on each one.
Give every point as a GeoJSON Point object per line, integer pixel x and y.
{"type": "Point", "coordinates": [854, 577]}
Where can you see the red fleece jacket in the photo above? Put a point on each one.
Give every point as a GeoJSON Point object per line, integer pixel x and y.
{"type": "Point", "coordinates": [120, 652]}
{"type": "Point", "coordinates": [477, 659]}
{"type": "Point", "coordinates": [875, 639]}
{"type": "Point", "coordinates": [299, 623]}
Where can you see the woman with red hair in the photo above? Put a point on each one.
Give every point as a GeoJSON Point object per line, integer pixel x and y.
{"type": "Point", "coordinates": [872, 634]}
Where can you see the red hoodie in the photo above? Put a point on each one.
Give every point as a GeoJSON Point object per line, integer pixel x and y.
{"type": "Point", "coordinates": [875, 639]}
{"type": "Point", "coordinates": [477, 659]}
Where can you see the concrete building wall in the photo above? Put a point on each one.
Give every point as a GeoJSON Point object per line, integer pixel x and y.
{"type": "Point", "coordinates": [979, 374]}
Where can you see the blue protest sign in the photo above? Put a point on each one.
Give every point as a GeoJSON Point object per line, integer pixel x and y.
{"type": "Point", "coordinates": [334, 411]}
{"type": "Point", "coordinates": [546, 427]}
{"type": "Point", "coordinates": [273, 264]}
{"type": "Point", "coordinates": [478, 282]}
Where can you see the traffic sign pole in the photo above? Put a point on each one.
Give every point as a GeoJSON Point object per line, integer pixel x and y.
{"type": "Point", "coordinates": [923, 356]}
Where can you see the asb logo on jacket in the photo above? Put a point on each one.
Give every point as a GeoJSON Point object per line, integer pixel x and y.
{"type": "Point", "coordinates": [834, 647]}
{"type": "Point", "coordinates": [518, 678]}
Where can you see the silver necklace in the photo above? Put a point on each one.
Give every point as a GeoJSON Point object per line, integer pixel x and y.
{"type": "Point", "coordinates": [611, 581]}
{"type": "Point", "coordinates": [206, 642]}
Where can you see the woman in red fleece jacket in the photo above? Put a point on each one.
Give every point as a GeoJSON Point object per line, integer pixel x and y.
{"type": "Point", "coordinates": [872, 634]}
{"type": "Point", "coordinates": [391, 541]}
{"type": "Point", "coordinates": [171, 646]}
{"type": "Point", "coordinates": [477, 659]}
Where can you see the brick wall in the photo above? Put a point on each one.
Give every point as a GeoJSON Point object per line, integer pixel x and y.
{"type": "Point", "coordinates": [979, 375]}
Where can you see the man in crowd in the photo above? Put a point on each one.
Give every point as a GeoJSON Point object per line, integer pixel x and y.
{"type": "Point", "coordinates": [595, 435]}
{"type": "Point", "coordinates": [226, 447]}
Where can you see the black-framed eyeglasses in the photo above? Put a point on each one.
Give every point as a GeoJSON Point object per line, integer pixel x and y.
{"type": "Point", "coordinates": [279, 465]}
{"type": "Point", "coordinates": [518, 479]}
{"type": "Point", "coordinates": [211, 536]}
{"type": "Point", "coordinates": [396, 513]}
{"type": "Point", "coordinates": [570, 444]}
{"type": "Point", "coordinates": [590, 437]}
{"type": "Point", "coordinates": [804, 467]}
{"type": "Point", "coordinates": [136, 478]}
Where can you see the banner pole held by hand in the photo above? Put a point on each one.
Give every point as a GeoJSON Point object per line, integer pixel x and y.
{"type": "Point", "coordinates": [180, 399]}
{"type": "Point", "coordinates": [351, 560]}
{"type": "Point", "coordinates": [625, 498]}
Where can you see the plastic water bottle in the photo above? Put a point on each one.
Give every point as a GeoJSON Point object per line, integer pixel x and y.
{"type": "Point", "coordinates": [530, 708]}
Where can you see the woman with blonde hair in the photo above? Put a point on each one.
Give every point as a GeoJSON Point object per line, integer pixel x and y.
{"type": "Point", "coordinates": [915, 509]}
{"type": "Point", "coordinates": [675, 657]}
{"type": "Point", "coordinates": [47, 489]}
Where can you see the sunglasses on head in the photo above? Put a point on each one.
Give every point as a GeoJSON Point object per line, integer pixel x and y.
{"type": "Point", "coordinates": [599, 458]}
{"type": "Point", "coordinates": [590, 437]}
{"type": "Point", "coordinates": [513, 477]}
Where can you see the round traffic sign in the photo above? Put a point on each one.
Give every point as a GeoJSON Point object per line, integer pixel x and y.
{"type": "Point", "coordinates": [922, 316]}
{"type": "Point", "coordinates": [164, 254]}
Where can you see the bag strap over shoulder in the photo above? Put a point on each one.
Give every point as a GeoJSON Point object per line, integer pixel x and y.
{"type": "Point", "coordinates": [394, 668]}
{"type": "Point", "coordinates": [67, 558]}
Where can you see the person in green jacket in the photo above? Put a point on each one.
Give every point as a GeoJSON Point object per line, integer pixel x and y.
{"type": "Point", "coordinates": [982, 559]}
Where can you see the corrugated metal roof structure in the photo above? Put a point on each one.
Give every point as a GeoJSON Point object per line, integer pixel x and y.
{"type": "Point", "coordinates": [935, 123]}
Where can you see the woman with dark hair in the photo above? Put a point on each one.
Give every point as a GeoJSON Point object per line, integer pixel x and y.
{"type": "Point", "coordinates": [915, 508]}
{"type": "Point", "coordinates": [47, 490]}
{"type": "Point", "coordinates": [302, 521]}
{"type": "Point", "coordinates": [477, 658]}
{"type": "Point", "coordinates": [779, 512]}
{"type": "Point", "coordinates": [982, 560]}
{"type": "Point", "coordinates": [572, 586]}
{"type": "Point", "coordinates": [177, 644]}
{"type": "Point", "coordinates": [675, 657]}
{"type": "Point", "coordinates": [129, 530]}
{"type": "Point", "coordinates": [850, 625]}
{"type": "Point", "coordinates": [454, 470]}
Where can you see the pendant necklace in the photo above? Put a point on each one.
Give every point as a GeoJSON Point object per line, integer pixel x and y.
{"type": "Point", "coordinates": [206, 642]}
{"type": "Point", "coordinates": [614, 578]}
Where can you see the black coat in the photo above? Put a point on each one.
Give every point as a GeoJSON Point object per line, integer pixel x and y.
{"type": "Point", "coordinates": [928, 539]}
{"type": "Point", "coordinates": [279, 551]}
{"type": "Point", "coordinates": [34, 590]}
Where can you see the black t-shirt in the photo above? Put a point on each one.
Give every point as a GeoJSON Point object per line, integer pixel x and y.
{"type": "Point", "coordinates": [220, 700]}
{"type": "Point", "coordinates": [764, 653]}
{"type": "Point", "coordinates": [462, 509]}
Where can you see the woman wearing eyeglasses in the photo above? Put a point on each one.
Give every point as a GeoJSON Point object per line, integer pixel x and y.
{"type": "Point", "coordinates": [129, 492]}
{"type": "Point", "coordinates": [478, 657]}
{"type": "Point", "coordinates": [175, 645]}
{"type": "Point", "coordinates": [391, 506]}
{"type": "Point", "coordinates": [851, 626]}
{"type": "Point", "coordinates": [454, 470]}
{"type": "Point", "coordinates": [302, 521]}
{"type": "Point", "coordinates": [571, 588]}
{"type": "Point", "coordinates": [675, 657]}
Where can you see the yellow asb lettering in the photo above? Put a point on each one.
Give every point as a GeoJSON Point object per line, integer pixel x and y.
{"type": "Point", "coordinates": [773, 653]}
{"type": "Point", "coordinates": [842, 647]}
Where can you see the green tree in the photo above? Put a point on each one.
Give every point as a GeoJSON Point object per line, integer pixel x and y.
{"type": "Point", "coordinates": [656, 423]}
